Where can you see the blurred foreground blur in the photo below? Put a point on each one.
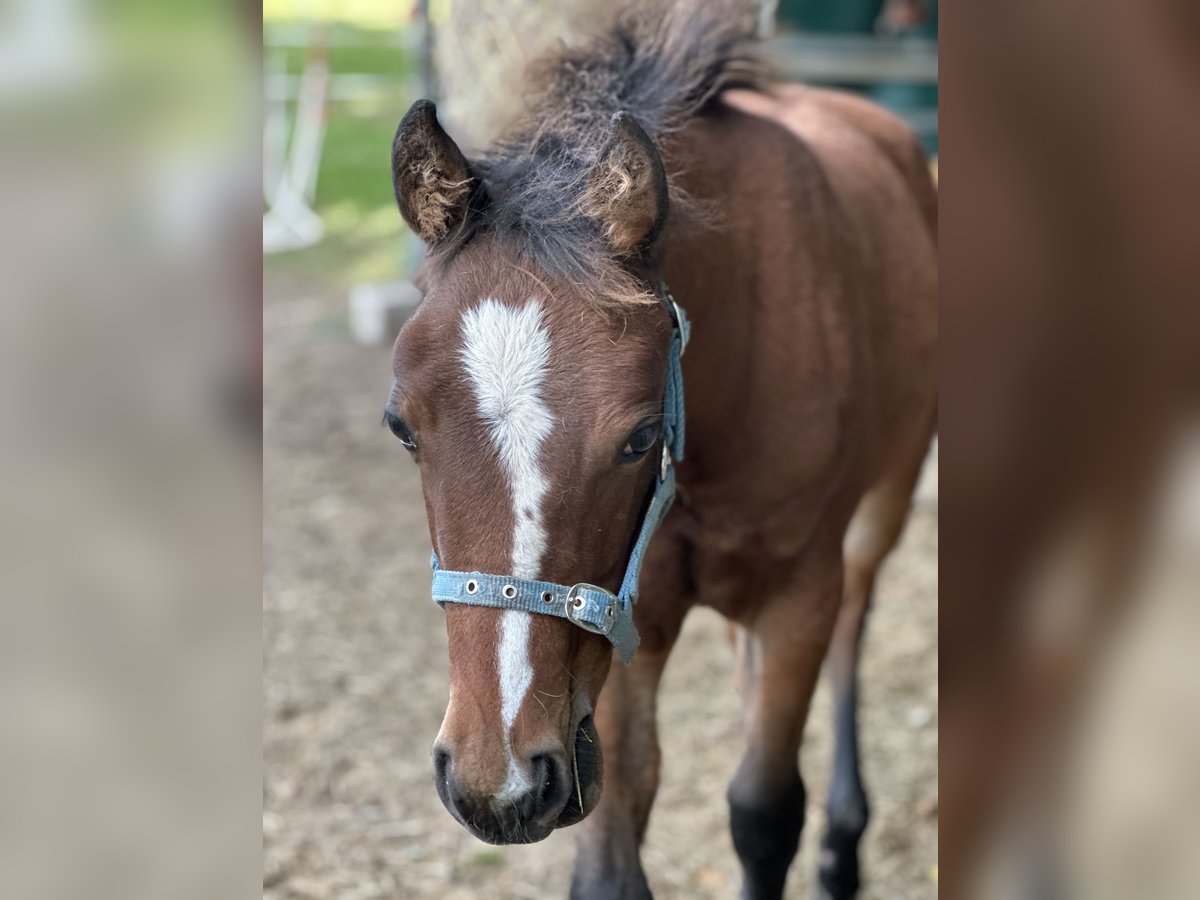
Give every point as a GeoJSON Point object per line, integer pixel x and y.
{"type": "Point", "coordinates": [130, 323]}
{"type": "Point", "coordinates": [1070, 702]}
{"type": "Point", "coordinates": [129, 390]}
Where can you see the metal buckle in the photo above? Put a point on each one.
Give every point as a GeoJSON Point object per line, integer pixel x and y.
{"type": "Point", "coordinates": [576, 603]}
{"type": "Point", "coordinates": [669, 301]}
{"type": "Point", "coordinates": [683, 338]}
{"type": "Point", "coordinates": [665, 467]}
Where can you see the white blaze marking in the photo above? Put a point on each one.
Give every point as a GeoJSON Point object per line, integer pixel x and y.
{"type": "Point", "coordinates": [515, 677]}
{"type": "Point", "coordinates": [507, 353]}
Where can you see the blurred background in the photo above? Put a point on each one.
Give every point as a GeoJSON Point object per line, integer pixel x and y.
{"type": "Point", "coordinates": [355, 657]}
{"type": "Point", "coordinates": [338, 74]}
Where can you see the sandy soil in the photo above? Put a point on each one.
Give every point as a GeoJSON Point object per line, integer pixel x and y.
{"type": "Point", "coordinates": [355, 675]}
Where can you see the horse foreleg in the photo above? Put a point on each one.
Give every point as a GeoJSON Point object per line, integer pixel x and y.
{"type": "Point", "coordinates": [780, 655]}
{"type": "Point", "coordinates": [846, 806]}
{"type": "Point", "coordinates": [873, 532]}
{"type": "Point", "coordinates": [608, 864]}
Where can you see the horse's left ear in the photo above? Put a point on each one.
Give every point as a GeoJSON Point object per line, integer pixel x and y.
{"type": "Point", "coordinates": [627, 189]}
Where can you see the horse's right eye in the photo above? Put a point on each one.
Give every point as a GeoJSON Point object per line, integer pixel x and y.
{"type": "Point", "coordinates": [400, 429]}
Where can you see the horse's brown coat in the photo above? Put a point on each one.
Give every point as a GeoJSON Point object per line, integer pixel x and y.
{"type": "Point", "coordinates": [811, 393]}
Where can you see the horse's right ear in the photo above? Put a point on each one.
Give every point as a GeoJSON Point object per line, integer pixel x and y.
{"type": "Point", "coordinates": [432, 178]}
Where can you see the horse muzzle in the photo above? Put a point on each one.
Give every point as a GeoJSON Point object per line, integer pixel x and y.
{"type": "Point", "coordinates": [560, 791]}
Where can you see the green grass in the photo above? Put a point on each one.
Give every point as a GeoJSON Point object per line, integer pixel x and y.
{"type": "Point", "coordinates": [369, 13]}
{"type": "Point", "coordinates": [384, 55]}
{"type": "Point", "coordinates": [486, 859]}
{"type": "Point", "coordinates": [365, 239]}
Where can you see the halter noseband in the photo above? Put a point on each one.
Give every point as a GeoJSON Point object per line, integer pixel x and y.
{"type": "Point", "coordinates": [590, 607]}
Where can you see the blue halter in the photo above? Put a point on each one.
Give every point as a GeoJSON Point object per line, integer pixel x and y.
{"type": "Point", "coordinates": [589, 606]}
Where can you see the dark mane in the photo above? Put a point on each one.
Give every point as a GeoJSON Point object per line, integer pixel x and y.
{"type": "Point", "coordinates": [660, 65]}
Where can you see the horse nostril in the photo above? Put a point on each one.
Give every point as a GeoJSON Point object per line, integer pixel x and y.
{"type": "Point", "coordinates": [441, 765]}
{"type": "Point", "coordinates": [550, 789]}
{"type": "Point", "coordinates": [442, 775]}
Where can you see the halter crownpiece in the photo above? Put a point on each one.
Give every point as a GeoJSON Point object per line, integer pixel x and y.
{"type": "Point", "coordinates": [589, 606]}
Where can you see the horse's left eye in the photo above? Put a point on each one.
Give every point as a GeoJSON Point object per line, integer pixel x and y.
{"type": "Point", "coordinates": [643, 438]}
{"type": "Point", "coordinates": [400, 429]}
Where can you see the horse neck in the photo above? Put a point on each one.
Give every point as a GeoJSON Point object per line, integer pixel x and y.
{"type": "Point", "coordinates": [713, 280]}
{"type": "Point", "coordinates": [727, 280]}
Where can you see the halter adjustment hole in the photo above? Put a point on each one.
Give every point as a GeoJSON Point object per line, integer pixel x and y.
{"type": "Point", "coordinates": [509, 591]}
{"type": "Point", "coordinates": [472, 586]}
{"type": "Point", "coordinates": [547, 596]}
{"type": "Point", "coordinates": [579, 604]}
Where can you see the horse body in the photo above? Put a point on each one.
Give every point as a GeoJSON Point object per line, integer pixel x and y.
{"type": "Point", "coordinates": [810, 376]}
{"type": "Point", "coordinates": [811, 394]}
{"type": "Point", "coordinates": [801, 240]}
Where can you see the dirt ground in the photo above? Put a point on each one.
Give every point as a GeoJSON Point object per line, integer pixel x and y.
{"type": "Point", "coordinates": [355, 675]}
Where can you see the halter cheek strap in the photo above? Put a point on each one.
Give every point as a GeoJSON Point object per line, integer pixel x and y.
{"type": "Point", "coordinates": [590, 607]}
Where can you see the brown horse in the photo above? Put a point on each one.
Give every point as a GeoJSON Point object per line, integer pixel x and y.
{"type": "Point", "coordinates": [797, 227]}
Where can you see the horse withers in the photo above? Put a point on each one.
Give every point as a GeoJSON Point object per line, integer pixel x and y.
{"type": "Point", "coordinates": [797, 228]}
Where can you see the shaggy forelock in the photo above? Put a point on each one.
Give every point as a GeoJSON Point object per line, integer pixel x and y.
{"type": "Point", "coordinates": [660, 66]}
